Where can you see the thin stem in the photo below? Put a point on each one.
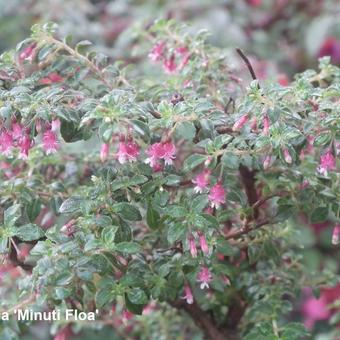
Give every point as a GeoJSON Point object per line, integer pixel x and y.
{"type": "Point", "coordinates": [247, 62]}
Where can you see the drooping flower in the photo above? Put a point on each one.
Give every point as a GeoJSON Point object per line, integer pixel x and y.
{"type": "Point", "coordinates": [327, 163]}
{"type": "Point", "coordinates": [6, 143]}
{"type": "Point", "coordinates": [158, 151]}
{"type": "Point", "coordinates": [217, 195]}
{"type": "Point", "coordinates": [239, 124]}
{"type": "Point", "coordinates": [204, 277]}
{"type": "Point", "coordinates": [127, 152]}
{"type": "Point", "coordinates": [267, 162]}
{"type": "Point", "coordinates": [287, 156]}
{"type": "Point", "coordinates": [24, 146]}
{"type": "Point", "coordinates": [169, 150]}
{"type": "Point", "coordinates": [55, 124]}
{"type": "Point", "coordinates": [336, 235]}
{"type": "Point", "coordinates": [226, 280]}
{"type": "Point", "coordinates": [104, 151]}
{"type": "Point", "coordinates": [169, 65]}
{"type": "Point", "coordinates": [185, 55]}
{"type": "Point", "coordinates": [50, 143]}
{"type": "Point", "coordinates": [17, 130]}
{"type": "Point", "coordinates": [266, 125]}
{"type": "Point", "coordinates": [331, 47]}
{"type": "Point", "coordinates": [203, 243]}
{"type": "Point", "coordinates": [188, 297]}
{"type": "Point", "coordinates": [253, 124]}
{"type": "Point", "coordinates": [192, 246]}
{"type": "Point", "coordinates": [157, 51]}
{"type": "Point", "coordinates": [27, 53]}
{"type": "Point", "coordinates": [51, 78]}
{"type": "Point", "coordinates": [202, 180]}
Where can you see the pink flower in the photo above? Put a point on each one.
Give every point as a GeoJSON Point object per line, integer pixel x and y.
{"type": "Point", "coordinates": [157, 51]}
{"type": "Point", "coordinates": [192, 246]}
{"type": "Point", "coordinates": [6, 142]}
{"type": "Point", "coordinates": [184, 52]}
{"type": "Point", "coordinates": [27, 52]}
{"type": "Point", "coordinates": [217, 195]}
{"type": "Point", "coordinates": [188, 295]}
{"type": "Point", "coordinates": [50, 143]}
{"type": "Point", "coordinates": [266, 125]}
{"type": "Point", "coordinates": [169, 150]}
{"type": "Point", "coordinates": [336, 235]}
{"type": "Point", "coordinates": [104, 151]}
{"type": "Point", "coordinates": [254, 3]}
{"type": "Point", "coordinates": [204, 277]}
{"type": "Point", "coordinates": [287, 156]}
{"type": "Point", "coordinates": [331, 47]}
{"type": "Point", "coordinates": [51, 78]}
{"type": "Point", "coordinates": [169, 65]}
{"type": "Point", "coordinates": [127, 152]}
{"type": "Point", "coordinates": [315, 310]}
{"type": "Point", "coordinates": [55, 125]}
{"type": "Point", "coordinates": [203, 243]}
{"type": "Point", "coordinates": [25, 145]}
{"type": "Point", "coordinates": [202, 180]}
{"type": "Point", "coordinates": [239, 124]}
{"type": "Point", "coordinates": [253, 125]}
{"type": "Point", "coordinates": [267, 162]}
{"type": "Point", "coordinates": [158, 151]}
{"type": "Point", "coordinates": [17, 130]}
{"type": "Point", "coordinates": [226, 280]}
{"type": "Point", "coordinates": [327, 162]}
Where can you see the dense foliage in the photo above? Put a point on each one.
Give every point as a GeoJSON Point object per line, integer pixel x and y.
{"type": "Point", "coordinates": [178, 187]}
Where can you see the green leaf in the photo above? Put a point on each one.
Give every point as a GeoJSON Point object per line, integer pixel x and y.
{"type": "Point", "coordinates": [127, 211]}
{"type": "Point", "coordinates": [128, 247]}
{"type": "Point", "coordinates": [133, 308]}
{"type": "Point", "coordinates": [104, 296]}
{"type": "Point", "coordinates": [319, 215]}
{"type": "Point", "coordinates": [193, 161]}
{"type": "Point", "coordinates": [225, 248]}
{"type": "Point", "coordinates": [176, 211]}
{"type": "Point", "coordinates": [29, 232]}
{"type": "Point", "coordinates": [176, 231]}
{"type": "Point", "coordinates": [186, 130]}
{"type": "Point", "coordinates": [152, 217]}
{"type": "Point", "coordinates": [12, 214]}
{"type": "Point", "coordinates": [137, 296]}
{"type": "Point", "coordinates": [71, 205]}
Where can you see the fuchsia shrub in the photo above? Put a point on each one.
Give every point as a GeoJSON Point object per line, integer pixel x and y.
{"type": "Point", "coordinates": [172, 192]}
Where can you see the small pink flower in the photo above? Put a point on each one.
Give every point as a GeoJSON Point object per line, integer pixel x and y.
{"type": "Point", "coordinates": [287, 156]}
{"type": "Point", "coordinates": [217, 195]}
{"type": "Point", "coordinates": [327, 162]}
{"type": "Point", "coordinates": [185, 54]}
{"type": "Point", "coordinates": [50, 143]}
{"type": "Point", "coordinates": [169, 150]}
{"type": "Point", "coordinates": [266, 125]}
{"type": "Point", "coordinates": [157, 51]}
{"type": "Point", "coordinates": [25, 145]}
{"type": "Point", "coordinates": [169, 65]}
{"type": "Point", "coordinates": [126, 316]}
{"type": "Point", "coordinates": [315, 310]}
{"type": "Point", "coordinates": [17, 130]}
{"type": "Point", "coordinates": [158, 151]}
{"type": "Point", "coordinates": [226, 280]}
{"type": "Point", "coordinates": [204, 277]}
{"type": "Point", "coordinates": [104, 151]}
{"type": "Point", "coordinates": [336, 235]}
{"type": "Point", "coordinates": [51, 78]}
{"type": "Point", "coordinates": [188, 295]}
{"type": "Point", "coordinates": [6, 143]}
{"type": "Point", "coordinates": [127, 152]}
{"type": "Point", "coordinates": [55, 124]}
{"type": "Point", "coordinates": [202, 180]}
{"type": "Point", "coordinates": [27, 53]}
{"type": "Point", "coordinates": [203, 243]}
{"type": "Point", "coordinates": [253, 125]}
{"type": "Point", "coordinates": [267, 162]}
{"type": "Point", "coordinates": [239, 124]}
{"type": "Point", "coordinates": [192, 246]}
